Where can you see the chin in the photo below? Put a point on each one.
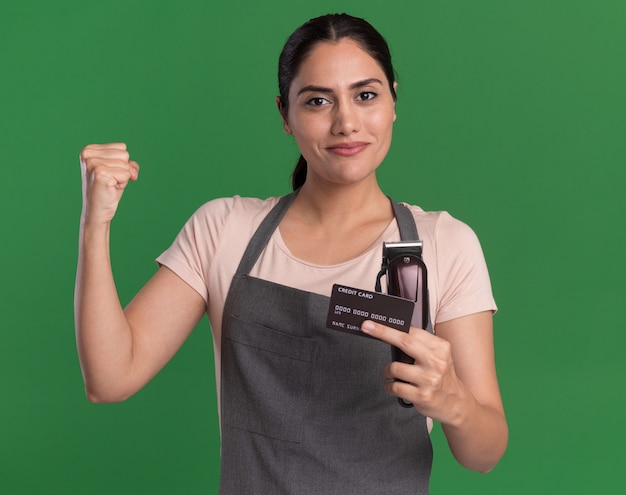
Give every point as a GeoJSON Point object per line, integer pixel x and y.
{"type": "Point", "coordinates": [350, 179]}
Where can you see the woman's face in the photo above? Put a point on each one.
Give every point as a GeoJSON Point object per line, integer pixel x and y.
{"type": "Point", "coordinates": [341, 113]}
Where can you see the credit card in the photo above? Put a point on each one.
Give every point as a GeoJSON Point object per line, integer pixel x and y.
{"type": "Point", "coordinates": [350, 307]}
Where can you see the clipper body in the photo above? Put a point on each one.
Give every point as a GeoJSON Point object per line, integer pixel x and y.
{"type": "Point", "coordinates": [406, 277]}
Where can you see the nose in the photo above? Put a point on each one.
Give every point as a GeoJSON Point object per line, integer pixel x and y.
{"type": "Point", "coordinates": [345, 119]}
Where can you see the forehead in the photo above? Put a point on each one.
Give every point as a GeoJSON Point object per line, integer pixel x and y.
{"type": "Point", "coordinates": [337, 64]}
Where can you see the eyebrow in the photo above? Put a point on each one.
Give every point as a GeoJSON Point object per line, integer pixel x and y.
{"type": "Point", "coordinates": [322, 89]}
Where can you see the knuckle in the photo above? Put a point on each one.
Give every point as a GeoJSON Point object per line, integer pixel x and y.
{"type": "Point", "coordinates": [98, 172]}
{"type": "Point", "coordinates": [90, 148]}
{"type": "Point", "coordinates": [111, 150]}
{"type": "Point", "coordinates": [393, 368]}
{"type": "Point", "coordinates": [434, 382]}
{"type": "Point", "coordinates": [394, 388]}
{"type": "Point", "coordinates": [440, 367]}
{"type": "Point", "coordinates": [405, 340]}
{"type": "Point", "coordinates": [446, 347]}
{"type": "Point", "coordinates": [90, 163]}
{"type": "Point", "coordinates": [425, 396]}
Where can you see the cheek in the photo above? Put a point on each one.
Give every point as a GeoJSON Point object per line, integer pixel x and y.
{"type": "Point", "coordinates": [307, 129]}
{"type": "Point", "coordinates": [382, 124]}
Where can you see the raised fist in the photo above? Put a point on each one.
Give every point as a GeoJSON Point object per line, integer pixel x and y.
{"type": "Point", "coordinates": [106, 170]}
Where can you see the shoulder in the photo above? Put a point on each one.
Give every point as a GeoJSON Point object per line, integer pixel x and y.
{"type": "Point", "coordinates": [215, 227]}
{"type": "Point", "coordinates": [450, 245]}
{"type": "Point", "coordinates": [217, 212]}
{"type": "Point", "coordinates": [441, 227]}
{"type": "Point", "coordinates": [458, 276]}
{"type": "Point", "coordinates": [223, 216]}
{"type": "Point", "coordinates": [235, 205]}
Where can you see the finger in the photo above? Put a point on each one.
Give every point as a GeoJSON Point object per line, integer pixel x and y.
{"type": "Point", "coordinates": [120, 146]}
{"type": "Point", "coordinates": [134, 170]}
{"type": "Point", "coordinates": [113, 163]}
{"type": "Point", "coordinates": [415, 375]}
{"type": "Point", "coordinates": [408, 392]}
{"type": "Point", "coordinates": [391, 336]}
{"type": "Point", "coordinates": [111, 180]}
{"type": "Point", "coordinates": [402, 371]}
{"type": "Point", "coordinates": [117, 177]}
{"type": "Point", "coordinates": [414, 339]}
{"type": "Point", "coordinates": [113, 153]}
{"type": "Point", "coordinates": [99, 175]}
{"type": "Point", "coordinates": [416, 343]}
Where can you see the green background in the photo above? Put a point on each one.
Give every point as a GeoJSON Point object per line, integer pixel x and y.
{"type": "Point", "coordinates": [511, 115]}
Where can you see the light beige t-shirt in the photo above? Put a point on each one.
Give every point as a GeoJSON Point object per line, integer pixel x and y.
{"type": "Point", "coordinates": [207, 251]}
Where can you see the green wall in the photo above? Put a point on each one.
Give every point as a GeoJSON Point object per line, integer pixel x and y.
{"type": "Point", "coordinates": [511, 115]}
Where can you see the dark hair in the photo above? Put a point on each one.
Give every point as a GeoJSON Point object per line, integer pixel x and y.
{"type": "Point", "coordinates": [331, 27]}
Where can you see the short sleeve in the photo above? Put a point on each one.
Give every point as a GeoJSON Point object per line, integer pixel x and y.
{"type": "Point", "coordinates": [194, 248]}
{"type": "Point", "coordinates": [464, 284]}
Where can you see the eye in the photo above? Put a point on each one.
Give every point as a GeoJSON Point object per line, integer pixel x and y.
{"type": "Point", "coordinates": [366, 95]}
{"type": "Point", "coordinates": [317, 101]}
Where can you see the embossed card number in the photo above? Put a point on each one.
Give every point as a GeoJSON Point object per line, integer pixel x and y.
{"type": "Point", "coordinates": [350, 307]}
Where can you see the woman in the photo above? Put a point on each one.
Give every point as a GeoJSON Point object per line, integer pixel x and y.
{"type": "Point", "coordinates": [305, 409]}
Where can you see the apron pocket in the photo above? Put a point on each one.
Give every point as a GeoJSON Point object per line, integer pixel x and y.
{"type": "Point", "coordinates": [266, 380]}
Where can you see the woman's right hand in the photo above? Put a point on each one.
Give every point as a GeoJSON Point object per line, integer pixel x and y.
{"type": "Point", "coordinates": [106, 170]}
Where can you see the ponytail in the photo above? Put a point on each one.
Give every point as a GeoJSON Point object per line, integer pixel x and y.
{"type": "Point", "coordinates": [299, 174]}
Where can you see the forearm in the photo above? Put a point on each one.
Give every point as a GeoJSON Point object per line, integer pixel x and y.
{"type": "Point", "coordinates": [103, 335]}
{"type": "Point", "coordinates": [478, 434]}
{"type": "Point", "coordinates": [453, 381]}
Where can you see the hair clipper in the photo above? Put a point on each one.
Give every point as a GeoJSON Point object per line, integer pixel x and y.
{"type": "Point", "coordinates": [406, 278]}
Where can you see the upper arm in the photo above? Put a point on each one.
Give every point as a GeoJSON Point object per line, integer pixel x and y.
{"type": "Point", "coordinates": [471, 340]}
{"type": "Point", "coordinates": [161, 316]}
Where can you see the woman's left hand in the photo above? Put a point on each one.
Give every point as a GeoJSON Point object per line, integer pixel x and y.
{"type": "Point", "coordinates": [431, 383]}
{"type": "Point", "coordinates": [453, 381]}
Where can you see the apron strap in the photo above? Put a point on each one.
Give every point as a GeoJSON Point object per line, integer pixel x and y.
{"type": "Point", "coordinates": [408, 232]}
{"type": "Point", "coordinates": [406, 222]}
{"type": "Point", "coordinates": [262, 235]}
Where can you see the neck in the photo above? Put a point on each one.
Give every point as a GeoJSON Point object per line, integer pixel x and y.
{"type": "Point", "coordinates": [330, 203]}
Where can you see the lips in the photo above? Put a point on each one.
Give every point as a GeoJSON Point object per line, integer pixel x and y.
{"type": "Point", "coordinates": [348, 149]}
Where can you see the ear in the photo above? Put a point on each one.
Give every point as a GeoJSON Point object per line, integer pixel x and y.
{"type": "Point", "coordinates": [283, 115]}
{"type": "Point", "coordinates": [395, 88]}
